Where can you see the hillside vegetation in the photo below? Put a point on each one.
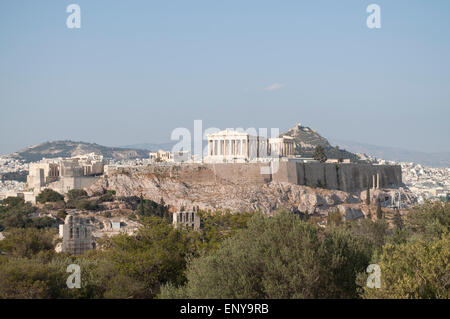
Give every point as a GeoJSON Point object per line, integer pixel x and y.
{"type": "Point", "coordinates": [307, 139]}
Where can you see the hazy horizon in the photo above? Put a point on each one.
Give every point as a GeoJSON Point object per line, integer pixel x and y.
{"type": "Point", "coordinates": [137, 70]}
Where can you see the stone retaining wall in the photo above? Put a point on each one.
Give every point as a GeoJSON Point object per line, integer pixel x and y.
{"type": "Point", "coordinates": [345, 177]}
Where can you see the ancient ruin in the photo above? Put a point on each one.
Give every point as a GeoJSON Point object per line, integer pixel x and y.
{"type": "Point", "coordinates": [77, 236]}
{"type": "Point", "coordinates": [64, 174]}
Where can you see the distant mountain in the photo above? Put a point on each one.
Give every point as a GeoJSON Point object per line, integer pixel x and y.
{"type": "Point", "coordinates": [307, 139]}
{"type": "Point", "coordinates": [441, 159]}
{"type": "Point", "coordinates": [71, 148]}
{"type": "Point", "coordinates": [153, 146]}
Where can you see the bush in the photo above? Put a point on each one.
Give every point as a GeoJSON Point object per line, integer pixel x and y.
{"type": "Point", "coordinates": [14, 213]}
{"type": "Point", "coordinates": [30, 279]}
{"type": "Point", "coordinates": [108, 196]}
{"type": "Point", "coordinates": [75, 194]}
{"type": "Point", "coordinates": [83, 204]}
{"type": "Point", "coordinates": [429, 221]}
{"type": "Point", "coordinates": [27, 242]}
{"type": "Point", "coordinates": [375, 232]}
{"type": "Point", "coordinates": [13, 201]}
{"type": "Point", "coordinates": [61, 214]}
{"type": "Point", "coordinates": [49, 195]}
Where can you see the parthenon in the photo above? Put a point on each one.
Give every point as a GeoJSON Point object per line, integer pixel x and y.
{"type": "Point", "coordinates": [239, 147]}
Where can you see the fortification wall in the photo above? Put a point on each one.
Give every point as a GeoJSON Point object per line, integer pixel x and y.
{"type": "Point", "coordinates": [345, 177]}
{"type": "Point", "coordinates": [65, 184]}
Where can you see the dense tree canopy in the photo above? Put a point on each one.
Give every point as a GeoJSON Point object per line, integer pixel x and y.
{"type": "Point", "coordinates": [242, 255]}
{"type": "Point", "coordinates": [49, 195]}
{"type": "Point", "coordinates": [15, 213]}
{"type": "Point", "coordinates": [416, 269]}
{"type": "Point", "coordinates": [279, 257]}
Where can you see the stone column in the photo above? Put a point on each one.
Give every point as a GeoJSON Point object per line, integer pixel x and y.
{"type": "Point", "coordinates": [373, 181]}
{"type": "Point", "coordinates": [246, 148]}
{"type": "Point", "coordinates": [224, 152]}
{"type": "Point", "coordinates": [378, 180]}
{"type": "Point", "coordinates": [227, 147]}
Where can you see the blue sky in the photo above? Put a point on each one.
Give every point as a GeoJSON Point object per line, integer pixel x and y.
{"type": "Point", "coordinates": [138, 69]}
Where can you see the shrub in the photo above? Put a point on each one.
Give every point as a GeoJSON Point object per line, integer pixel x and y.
{"type": "Point", "coordinates": [108, 196]}
{"type": "Point", "coordinates": [49, 195]}
{"type": "Point", "coordinates": [83, 204]}
{"type": "Point", "coordinates": [27, 242]}
{"type": "Point", "coordinates": [75, 194]}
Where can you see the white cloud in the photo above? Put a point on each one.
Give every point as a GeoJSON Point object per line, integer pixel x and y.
{"type": "Point", "coordinates": [274, 87]}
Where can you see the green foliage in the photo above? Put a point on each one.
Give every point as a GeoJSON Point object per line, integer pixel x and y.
{"type": "Point", "coordinates": [334, 219]}
{"type": "Point", "coordinates": [234, 256]}
{"type": "Point", "coordinates": [419, 269]}
{"type": "Point", "coordinates": [29, 279]}
{"type": "Point", "coordinates": [398, 222]}
{"type": "Point", "coordinates": [375, 232]}
{"type": "Point", "coordinates": [149, 208]}
{"type": "Point", "coordinates": [156, 255]}
{"type": "Point", "coordinates": [61, 214]}
{"type": "Point", "coordinates": [429, 221]}
{"type": "Point", "coordinates": [15, 213]}
{"type": "Point", "coordinates": [75, 194]}
{"type": "Point", "coordinates": [321, 184]}
{"type": "Point", "coordinates": [49, 195]}
{"type": "Point", "coordinates": [279, 257]}
{"type": "Point", "coordinates": [84, 204]}
{"type": "Point", "coordinates": [28, 242]}
{"type": "Point", "coordinates": [218, 226]}
{"type": "Point", "coordinates": [319, 154]}
{"type": "Point", "coordinates": [108, 196]}
{"type": "Point", "coordinates": [13, 202]}
{"type": "Point", "coordinates": [42, 222]}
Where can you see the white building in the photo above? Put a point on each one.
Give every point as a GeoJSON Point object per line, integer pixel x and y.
{"type": "Point", "coordinates": [229, 146]}
{"type": "Point", "coordinates": [64, 174]}
{"type": "Point", "coordinates": [161, 156]}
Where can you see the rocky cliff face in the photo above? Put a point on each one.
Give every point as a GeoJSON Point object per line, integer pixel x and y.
{"type": "Point", "coordinates": [267, 198]}
{"type": "Point", "coordinates": [235, 188]}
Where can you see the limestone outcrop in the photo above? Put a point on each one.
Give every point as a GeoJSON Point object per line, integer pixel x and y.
{"type": "Point", "coordinates": [267, 197]}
